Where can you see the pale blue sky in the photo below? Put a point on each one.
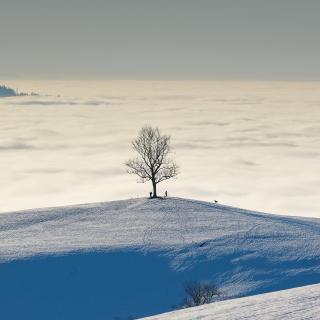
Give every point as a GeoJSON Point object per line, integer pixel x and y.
{"type": "Point", "coordinates": [182, 39]}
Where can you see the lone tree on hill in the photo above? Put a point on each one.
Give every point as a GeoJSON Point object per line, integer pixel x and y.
{"type": "Point", "coordinates": [153, 163]}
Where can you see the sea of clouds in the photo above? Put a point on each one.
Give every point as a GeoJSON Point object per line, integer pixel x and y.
{"type": "Point", "coordinates": [254, 145]}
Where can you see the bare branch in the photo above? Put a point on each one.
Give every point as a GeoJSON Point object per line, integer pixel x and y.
{"type": "Point", "coordinates": [152, 164]}
{"type": "Point", "coordinates": [199, 293]}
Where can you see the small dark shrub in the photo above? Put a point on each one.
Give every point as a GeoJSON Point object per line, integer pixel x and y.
{"type": "Point", "coordinates": [198, 293]}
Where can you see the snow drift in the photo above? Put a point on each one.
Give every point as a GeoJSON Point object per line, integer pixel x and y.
{"type": "Point", "coordinates": [131, 258]}
{"type": "Point", "coordinates": [291, 304]}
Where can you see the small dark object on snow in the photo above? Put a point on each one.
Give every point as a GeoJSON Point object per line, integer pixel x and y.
{"type": "Point", "coordinates": [166, 194]}
{"type": "Point", "coordinates": [150, 195]}
{"type": "Point", "coordinates": [215, 201]}
{"type": "Point", "coordinates": [202, 244]}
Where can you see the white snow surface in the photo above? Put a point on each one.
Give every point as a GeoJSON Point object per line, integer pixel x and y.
{"type": "Point", "coordinates": [293, 304]}
{"type": "Point", "coordinates": [246, 252]}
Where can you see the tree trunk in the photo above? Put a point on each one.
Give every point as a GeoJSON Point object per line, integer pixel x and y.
{"type": "Point", "coordinates": [154, 186]}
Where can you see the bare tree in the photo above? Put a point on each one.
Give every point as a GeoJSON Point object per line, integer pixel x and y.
{"type": "Point", "coordinates": [199, 293]}
{"type": "Point", "coordinates": [153, 163]}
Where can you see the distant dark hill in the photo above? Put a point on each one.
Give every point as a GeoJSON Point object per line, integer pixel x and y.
{"type": "Point", "coordinates": [7, 92]}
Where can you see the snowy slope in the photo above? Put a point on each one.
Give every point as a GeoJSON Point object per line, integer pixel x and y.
{"type": "Point", "coordinates": [292, 304]}
{"type": "Point", "coordinates": [84, 259]}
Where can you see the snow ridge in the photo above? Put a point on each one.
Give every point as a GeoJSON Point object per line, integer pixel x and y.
{"type": "Point", "coordinates": [292, 304]}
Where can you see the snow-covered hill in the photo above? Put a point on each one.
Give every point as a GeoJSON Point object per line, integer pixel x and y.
{"type": "Point", "coordinates": [131, 258]}
{"type": "Point", "coordinates": [291, 304]}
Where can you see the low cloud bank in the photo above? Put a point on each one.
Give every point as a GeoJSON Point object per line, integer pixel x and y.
{"type": "Point", "coordinates": [250, 145]}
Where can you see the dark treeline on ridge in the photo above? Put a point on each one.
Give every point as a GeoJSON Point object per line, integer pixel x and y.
{"type": "Point", "coordinates": [9, 92]}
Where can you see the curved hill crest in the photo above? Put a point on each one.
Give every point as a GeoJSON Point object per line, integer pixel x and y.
{"type": "Point", "coordinates": [149, 249]}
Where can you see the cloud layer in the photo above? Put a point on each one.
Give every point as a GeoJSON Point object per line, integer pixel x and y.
{"type": "Point", "coordinates": [252, 145]}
